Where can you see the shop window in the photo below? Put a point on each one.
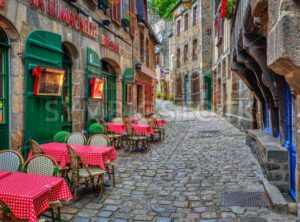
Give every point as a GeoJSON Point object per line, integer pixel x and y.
{"type": "Point", "coordinates": [178, 58]}
{"type": "Point", "coordinates": [129, 94]}
{"type": "Point", "coordinates": [267, 119]}
{"type": "Point", "coordinates": [116, 13]}
{"type": "Point", "coordinates": [186, 52]}
{"type": "Point", "coordinates": [147, 53]}
{"type": "Point", "coordinates": [195, 15]}
{"type": "Point", "coordinates": [195, 49]}
{"type": "Point", "coordinates": [132, 12]}
{"type": "Point", "coordinates": [178, 27]}
{"type": "Point", "coordinates": [142, 56]}
{"type": "Point", "coordinates": [3, 79]}
{"type": "Point", "coordinates": [186, 21]}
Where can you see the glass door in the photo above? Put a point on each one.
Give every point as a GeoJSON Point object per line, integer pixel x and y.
{"type": "Point", "coordinates": [4, 119]}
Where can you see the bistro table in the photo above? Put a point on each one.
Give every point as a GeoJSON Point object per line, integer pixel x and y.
{"type": "Point", "coordinates": [160, 122]}
{"type": "Point", "coordinates": [4, 173]}
{"type": "Point", "coordinates": [90, 155]}
{"type": "Point", "coordinates": [29, 195]}
{"type": "Point", "coordinates": [118, 128]}
{"type": "Point", "coordinates": [135, 120]}
{"type": "Point", "coordinates": [143, 129]}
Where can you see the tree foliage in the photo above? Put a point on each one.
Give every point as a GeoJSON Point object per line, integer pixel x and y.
{"type": "Point", "coordinates": [163, 7]}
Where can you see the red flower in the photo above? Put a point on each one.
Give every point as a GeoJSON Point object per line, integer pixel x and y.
{"type": "Point", "coordinates": [223, 8]}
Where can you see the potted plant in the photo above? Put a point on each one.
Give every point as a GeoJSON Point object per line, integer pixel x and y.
{"type": "Point", "coordinates": [61, 136]}
{"type": "Point", "coordinates": [95, 128]}
{"type": "Point", "coordinates": [104, 4]}
{"type": "Point", "coordinates": [125, 22]}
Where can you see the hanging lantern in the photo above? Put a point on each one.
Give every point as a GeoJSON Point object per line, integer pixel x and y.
{"type": "Point", "coordinates": [186, 3]}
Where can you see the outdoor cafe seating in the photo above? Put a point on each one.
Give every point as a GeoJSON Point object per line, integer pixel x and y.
{"type": "Point", "coordinates": [53, 170]}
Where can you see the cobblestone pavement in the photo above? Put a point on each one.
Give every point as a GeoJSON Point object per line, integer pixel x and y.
{"type": "Point", "coordinates": [181, 178]}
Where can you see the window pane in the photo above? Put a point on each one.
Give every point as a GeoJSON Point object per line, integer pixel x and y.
{"type": "Point", "coordinates": [1, 86]}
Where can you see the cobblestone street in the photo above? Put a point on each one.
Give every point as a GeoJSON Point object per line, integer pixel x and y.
{"type": "Point", "coordinates": [181, 178]}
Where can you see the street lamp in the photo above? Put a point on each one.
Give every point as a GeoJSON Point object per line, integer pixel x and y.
{"type": "Point", "coordinates": [186, 3]}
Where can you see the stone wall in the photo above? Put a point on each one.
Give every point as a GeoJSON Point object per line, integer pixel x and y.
{"type": "Point", "coordinates": [273, 158]}
{"type": "Point", "coordinates": [24, 18]}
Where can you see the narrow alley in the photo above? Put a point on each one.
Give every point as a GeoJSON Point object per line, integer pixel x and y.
{"type": "Point", "coordinates": [182, 178]}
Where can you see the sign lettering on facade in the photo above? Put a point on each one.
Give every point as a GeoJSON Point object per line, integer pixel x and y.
{"type": "Point", "coordinates": [62, 13]}
{"type": "Point", "coordinates": [113, 45]}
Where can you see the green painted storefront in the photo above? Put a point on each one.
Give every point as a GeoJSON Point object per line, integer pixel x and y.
{"type": "Point", "coordinates": [208, 90]}
{"type": "Point", "coordinates": [44, 114]}
{"type": "Point", "coordinates": [107, 108]}
{"type": "Point", "coordinates": [128, 79]}
{"type": "Point", "coordinates": [4, 91]}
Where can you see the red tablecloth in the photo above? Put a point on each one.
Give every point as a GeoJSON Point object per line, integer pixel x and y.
{"type": "Point", "coordinates": [143, 129]}
{"type": "Point", "coordinates": [90, 155]}
{"type": "Point", "coordinates": [4, 173]}
{"type": "Point", "coordinates": [160, 122]}
{"type": "Point", "coordinates": [135, 120]}
{"type": "Point", "coordinates": [118, 128]}
{"type": "Point", "coordinates": [28, 195]}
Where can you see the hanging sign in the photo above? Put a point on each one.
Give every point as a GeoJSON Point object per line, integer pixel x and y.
{"type": "Point", "coordinates": [48, 81]}
{"type": "Point", "coordinates": [2, 4]}
{"type": "Point", "coordinates": [113, 45]}
{"type": "Point", "coordinates": [97, 88]}
{"type": "Point", "coordinates": [66, 15]}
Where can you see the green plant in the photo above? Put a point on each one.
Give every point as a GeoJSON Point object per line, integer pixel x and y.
{"type": "Point", "coordinates": [165, 96]}
{"type": "Point", "coordinates": [96, 128]}
{"type": "Point", "coordinates": [61, 136]}
{"type": "Point", "coordinates": [158, 95]}
{"type": "Point", "coordinates": [170, 97]}
{"type": "Point", "coordinates": [230, 8]}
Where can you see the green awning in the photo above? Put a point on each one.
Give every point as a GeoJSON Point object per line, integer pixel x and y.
{"type": "Point", "coordinates": [207, 74]}
{"type": "Point", "coordinates": [128, 76]}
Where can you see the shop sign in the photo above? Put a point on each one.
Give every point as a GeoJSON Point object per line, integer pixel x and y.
{"type": "Point", "coordinates": [64, 14]}
{"type": "Point", "coordinates": [97, 88]}
{"type": "Point", "coordinates": [113, 45]}
{"type": "Point", "coordinates": [2, 4]}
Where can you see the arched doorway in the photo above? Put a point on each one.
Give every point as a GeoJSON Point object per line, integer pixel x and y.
{"type": "Point", "coordinates": [110, 72]}
{"type": "Point", "coordinates": [178, 89]}
{"type": "Point", "coordinates": [67, 90]}
{"type": "Point", "coordinates": [195, 89]}
{"type": "Point", "coordinates": [186, 90]}
{"type": "Point", "coordinates": [4, 93]}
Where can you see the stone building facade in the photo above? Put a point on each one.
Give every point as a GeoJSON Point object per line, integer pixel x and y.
{"type": "Point", "coordinates": [192, 54]}
{"type": "Point", "coordinates": [264, 54]}
{"type": "Point", "coordinates": [231, 97]}
{"type": "Point", "coordinates": [90, 44]}
{"type": "Point", "coordinates": [162, 29]}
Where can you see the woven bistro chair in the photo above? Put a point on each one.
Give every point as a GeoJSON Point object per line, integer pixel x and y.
{"type": "Point", "coordinates": [117, 120]}
{"type": "Point", "coordinates": [80, 172]}
{"type": "Point", "coordinates": [7, 214]}
{"type": "Point", "coordinates": [157, 130]}
{"type": "Point", "coordinates": [76, 139]}
{"type": "Point", "coordinates": [11, 160]}
{"type": "Point", "coordinates": [45, 165]}
{"type": "Point", "coordinates": [126, 119]}
{"type": "Point", "coordinates": [143, 121]}
{"type": "Point", "coordinates": [133, 139]}
{"type": "Point", "coordinates": [115, 139]}
{"type": "Point", "coordinates": [102, 140]}
{"type": "Point", "coordinates": [35, 148]}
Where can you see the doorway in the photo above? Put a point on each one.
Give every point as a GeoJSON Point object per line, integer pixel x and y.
{"type": "Point", "coordinates": [139, 99]}
{"type": "Point", "coordinates": [67, 90]}
{"type": "Point", "coordinates": [110, 90]}
{"type": "Point", "coordinates": [4, 98]}
{"type": "Point", "coordinates": [290, 141]}
{"type": "Point", "coordinates": [186, 90]}
{"type": "Point", "coordinates": [208, 92]}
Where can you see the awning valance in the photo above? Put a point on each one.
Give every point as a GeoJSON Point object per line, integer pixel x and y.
{"type": "Point", "coordinates": [128, 76]}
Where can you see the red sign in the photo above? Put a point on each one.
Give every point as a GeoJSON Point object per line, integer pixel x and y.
{"type": "Point", "coordinates": [2, 4]}
{"type": "Point", "coordinates": [97, 88]}
{"type": "Point", "coordinates": [113, 45]}
{"type": "Point", "coordinates": [71, 18]}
